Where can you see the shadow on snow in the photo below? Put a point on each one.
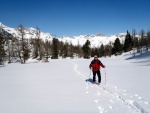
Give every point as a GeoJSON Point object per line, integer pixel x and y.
{"type": "Point", "coordinates": [144, 58]}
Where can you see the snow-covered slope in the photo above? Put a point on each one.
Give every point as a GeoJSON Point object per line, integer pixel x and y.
{"type": "Point", "coordinates": [64, 86]}
{"type": "Point", "coordinates": [96, 40]}
{"type": "Point", "coordinates": [29, 32]}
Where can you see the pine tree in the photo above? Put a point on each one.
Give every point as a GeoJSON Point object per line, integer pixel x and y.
{"type": "Point", "coordinates": [47, 47]}
{"type": "Point", "coordinates": [71, 50]}
{"type": "Point", "coordinates": [142, 40]}
{"type": "Point", "coordinates": [21, 31]}
{"type": "Point", "coordinates": [2, 52]}
{"type": "Point", "coordinates": [117, 47]}
{"type": "Point", "coordinates": [23, 45]}
{"type": "Point", "coordinates": [86, 49]}
{"type": "Point", "coordinates": [79, 50]}
{"type": "Point", "coordinates": [95, 51]}
{"type": "Point", "coordinates": [55, 48]}
{"type": "Point", "coordinates": [128, 43]}
{"type": "Point", "coordinates": [108, 50]}
{"type": "Point", "coordinates": [61, 45]}
{"type": "Point", "coordinates": [102, 50]}
{"type": "Point", "coordinates": [92, 52]}
{"type": "Point", "coordinates": [148, 38]}
{"type": "Point", "coordinates": [8, 50]}
{"type": "Point", "coordinates": [134, 41]}
{"type": "Point", "coordinates": [35, 48]}
{"type": "Point", "coordinates": [65, 50]}
{"type": "Point", "coordinates": [39, 43]}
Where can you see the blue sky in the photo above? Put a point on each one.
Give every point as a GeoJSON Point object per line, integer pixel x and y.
{"type": "Point", "coordinates": [77, 17]}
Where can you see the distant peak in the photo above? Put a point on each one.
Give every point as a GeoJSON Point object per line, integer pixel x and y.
{"type": "Point", "coordinates": [2, 24]}
{"type": "Point", "coordinates": [31, 28]}
{"type": "Point", "coordinates": [100, 34]}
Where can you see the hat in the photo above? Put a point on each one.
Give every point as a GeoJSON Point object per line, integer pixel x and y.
{"type": "Point", "coordinates": [95, 56]}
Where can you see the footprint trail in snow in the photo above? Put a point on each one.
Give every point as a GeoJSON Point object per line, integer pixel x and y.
{"type": "Point", "coordinates": [111, 99]}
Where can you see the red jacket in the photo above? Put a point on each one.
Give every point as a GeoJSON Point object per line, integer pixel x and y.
{"type": "Point", "coordinates": [95, 65]}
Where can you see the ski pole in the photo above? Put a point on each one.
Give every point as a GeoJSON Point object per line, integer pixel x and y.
{"type": "Point", "coordinates": [90, 74]}
{"type": "Point", "coordinates": [105, 76]}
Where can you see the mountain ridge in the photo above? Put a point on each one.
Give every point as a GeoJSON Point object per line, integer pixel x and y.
{"type": "Point", "coordinates": [95, 39]}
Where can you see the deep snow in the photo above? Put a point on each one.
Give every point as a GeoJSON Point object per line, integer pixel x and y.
{"type": "Point", "coordinates": [64, 86]}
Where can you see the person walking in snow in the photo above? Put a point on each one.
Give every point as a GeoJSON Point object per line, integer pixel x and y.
{"type": "Point", "coordinates": [95, 67]}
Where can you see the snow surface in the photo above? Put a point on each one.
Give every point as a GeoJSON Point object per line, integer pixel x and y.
{"type": "Point", "coordinates": [64, 86]}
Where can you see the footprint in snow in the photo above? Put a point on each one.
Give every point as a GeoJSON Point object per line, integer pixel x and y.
{"type": "Point", "coordinates": [98, 93]}
{"type": "Point", "coordinates": [116, 87]}
{"type": "Point", "coordinates": [96, 101]}
{"type": "Point", "coordinates": [110, 107]}
{"type": "Point", "coordinates": [140, 98]}
{"type": "Point", "coordinates": [146, 103]}
{"type": "Point", "coordinates": [101, 109]}
{"type": "Point", "coordinates": [111, 101]}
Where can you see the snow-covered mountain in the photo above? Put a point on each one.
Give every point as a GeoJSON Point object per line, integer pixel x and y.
{"type": "Point", "coordinates": [29, 32]}
{"type": "Point", "coordinates": [95, 39]}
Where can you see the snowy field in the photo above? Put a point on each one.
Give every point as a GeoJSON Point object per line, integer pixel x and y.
{"type": "Point", "coordinates": [64, 86]}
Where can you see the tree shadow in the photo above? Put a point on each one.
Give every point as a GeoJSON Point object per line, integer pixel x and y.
{"type": "Point", "coordinates": [2, 66]}
{"type": "Point", "coordinates": [140, 56]}
{"type": "Point", "coordinates": [145, 62]}
{"type": "Point", "coordinates": [142, 59]}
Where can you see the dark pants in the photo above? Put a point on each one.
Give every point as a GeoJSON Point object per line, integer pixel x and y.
{"type": "Point", "coordinates": [98, 74]}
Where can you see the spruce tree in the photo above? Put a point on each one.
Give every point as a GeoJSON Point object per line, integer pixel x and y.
{"type": "Point", "coordinates": [108, 50]}
{"type": "Point", "coordinates": [2, 52]}
{"type": "Point", "coordinates": [102, 50]}
{"type": "Point", "coordinates": [148, 38]}
{"type": "Point", "coordinates": [142, 41]}
{"type": "Point", "coordinates": [39, 43]}
{"type": "Point", "coordinates": [128, 42]}
{"type": "Point", "coordinates": [117, 47]}
{"type": "Point", "coordinates": [21, 31]}
{"type": "Point", "coordinates": [65, 50]}
{"type": "Point", "coordinates": [55, 48]}
{"type": "Point", "coordinates": [79, 50]}
{"type": "Point", "coordinates": [86, 49]}
{"type": "Point", "coordinates": [71, 50]}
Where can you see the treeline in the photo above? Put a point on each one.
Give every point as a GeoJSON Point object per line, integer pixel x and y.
{"type": "Point", "coordinates": [139, 43]}
{"type": "Point", "coordinates": [21, 49]}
